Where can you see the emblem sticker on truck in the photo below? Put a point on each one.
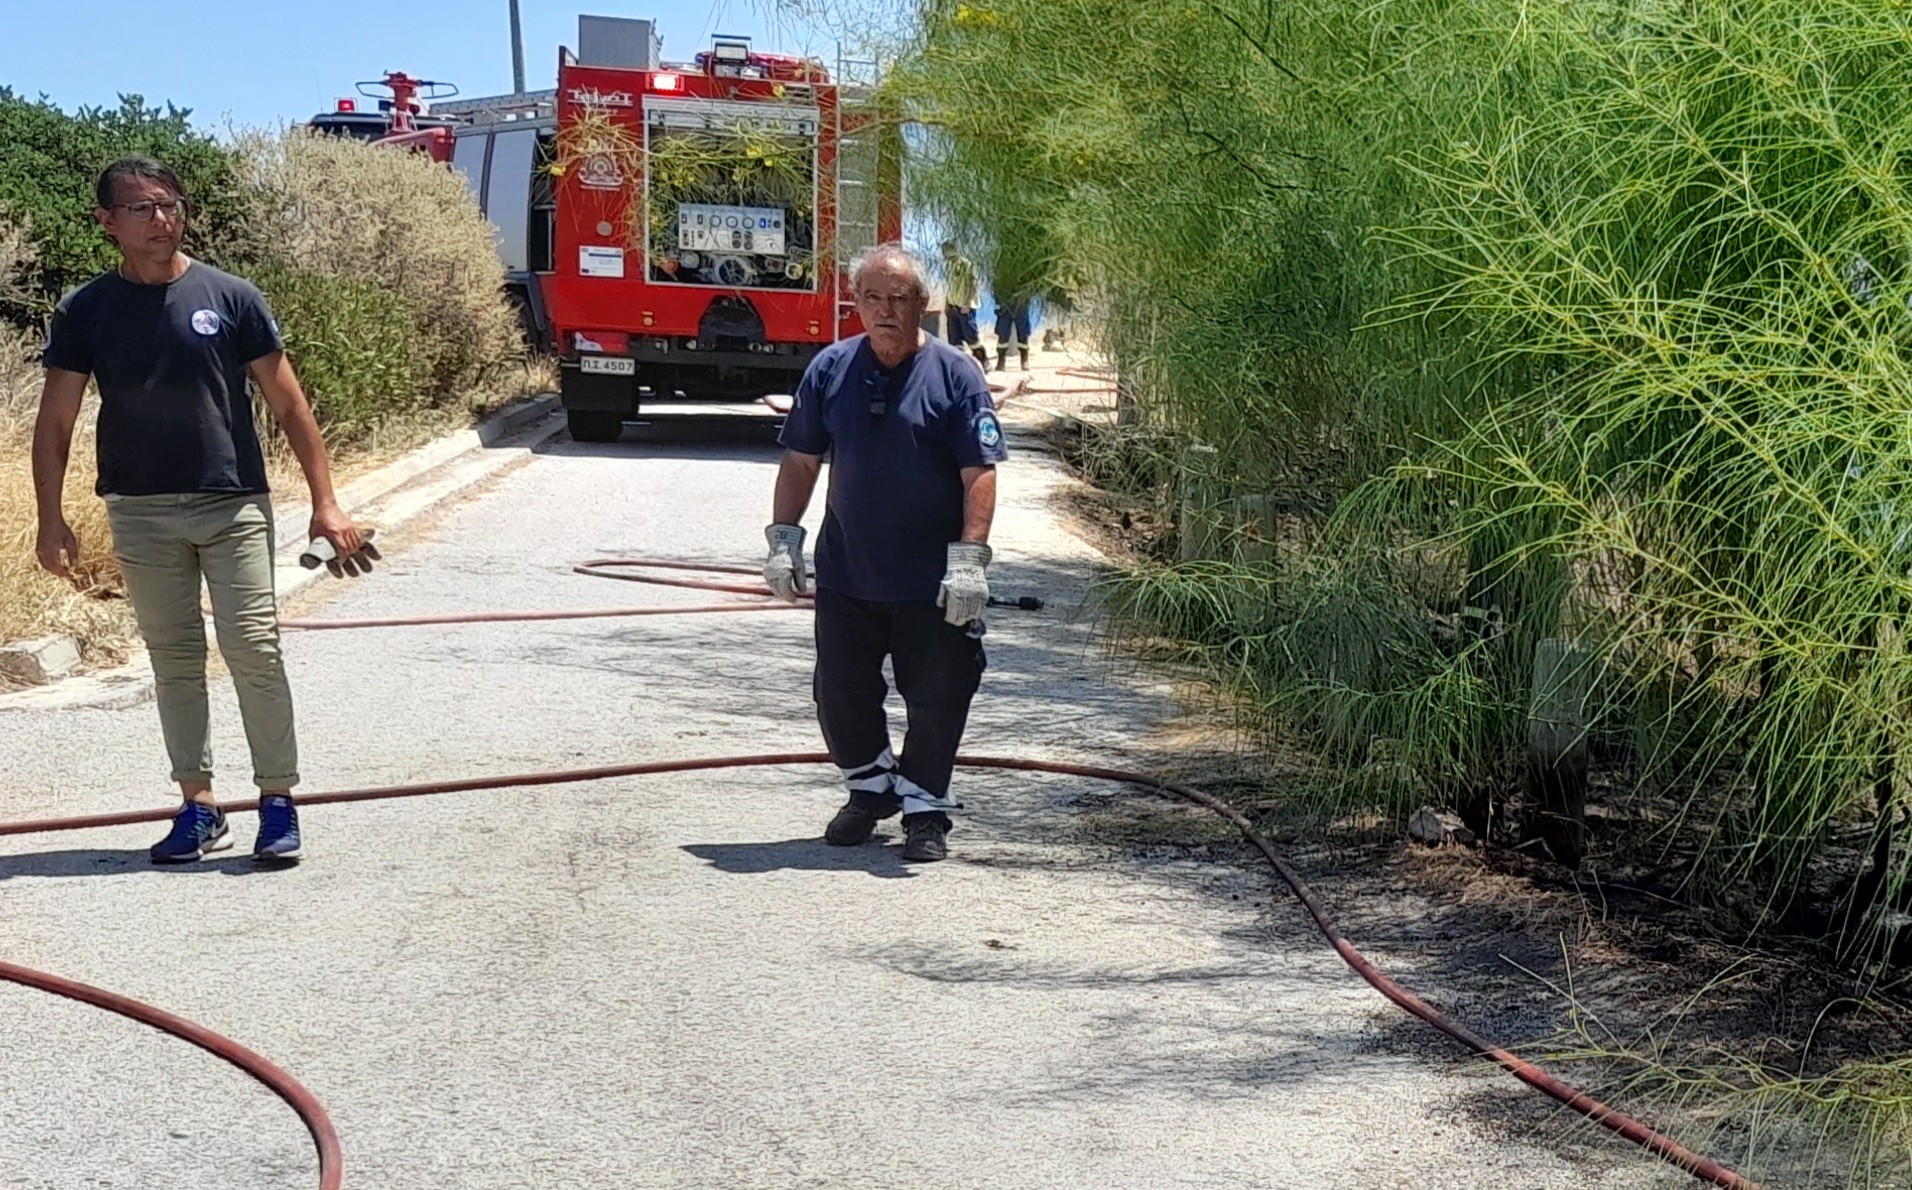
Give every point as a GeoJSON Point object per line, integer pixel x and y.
{"type": "Point", "coordinates": [600, 172]}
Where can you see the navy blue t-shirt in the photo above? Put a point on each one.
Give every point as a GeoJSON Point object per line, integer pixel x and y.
{"type": "Point", "coordinates": [896, 489]}
{"type": "Point", "coordinates": [170, 361]}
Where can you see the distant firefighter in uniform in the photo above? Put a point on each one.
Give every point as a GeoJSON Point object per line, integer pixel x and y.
{"type": "Point", "coordinates": [1012, 326]}
{"type": "Point", "coordinates": [902, 560]}
{"type": "Point", "coordinates": [959, 302]}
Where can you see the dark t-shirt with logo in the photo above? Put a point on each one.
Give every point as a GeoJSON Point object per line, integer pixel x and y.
{"type": "Point", "coordinates": [896, 487]}
{"type": "Point", "coordinates": [170, 361]}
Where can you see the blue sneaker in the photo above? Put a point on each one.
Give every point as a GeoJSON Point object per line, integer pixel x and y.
{"type": "Point", "coordinates": [196, 831]}
{"type": "Point", "coordinates": [278, 830]}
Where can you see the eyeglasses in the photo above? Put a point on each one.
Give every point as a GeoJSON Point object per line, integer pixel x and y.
{"type": "Point", "coordinates": [143, 212]}
{"type": "Point", "coordinates": [880, 300]}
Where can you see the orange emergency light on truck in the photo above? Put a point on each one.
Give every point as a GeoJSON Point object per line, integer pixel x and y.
{"type": "Point", "coordinates": [704, 217]}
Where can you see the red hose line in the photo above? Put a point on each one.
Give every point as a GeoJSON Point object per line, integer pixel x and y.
{"type": "Point", "coordinates": [309, 1109]}
{"type": "Point", "coordinates": [514, 617]}
{"type": "Point", "coordinates": [600, 568]}
{"type": "Point", "coordinates": [426, 788]}
{"type": "Point", "coordinates": [596, 568]}
{"type": "Point", "coordinates": [1640, 1134]}
{"type": "Point", "coordinates": [591, 568]}
{"type": "Point", "coordinates": [302, 1101]}
{"type": "Point", "coordinates": [1579, 1101]}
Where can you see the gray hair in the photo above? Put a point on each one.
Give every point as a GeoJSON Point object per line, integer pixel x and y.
{"type": "Point", "coordinates": [890, 254]}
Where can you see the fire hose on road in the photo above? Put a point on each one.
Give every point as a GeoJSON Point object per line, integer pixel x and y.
{"type": "Point", "coordinates": [325, 1136]}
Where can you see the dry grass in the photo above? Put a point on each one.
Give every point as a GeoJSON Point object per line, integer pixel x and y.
{"type": "Point", "coordinates": [33, 602]}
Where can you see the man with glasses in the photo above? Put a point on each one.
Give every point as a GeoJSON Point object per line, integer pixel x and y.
{"type": "Point", "coordinates": [902, 560]}
{"type": "Point", "coordinates": [171, 343]}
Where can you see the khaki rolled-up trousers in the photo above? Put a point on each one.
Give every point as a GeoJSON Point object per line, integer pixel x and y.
{"type": "Point", "coordinates": [166, 546]}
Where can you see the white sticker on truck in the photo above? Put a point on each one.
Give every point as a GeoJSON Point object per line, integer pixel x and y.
{"type": "Point", "coordinates": [596, 261]}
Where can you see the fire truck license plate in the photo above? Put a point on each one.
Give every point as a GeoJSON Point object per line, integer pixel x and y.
{"type": "Point", "coordinates": [608, 365]}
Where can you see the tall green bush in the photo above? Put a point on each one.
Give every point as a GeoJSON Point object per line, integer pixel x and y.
{"type": "Point", "coordinates": [49, 161]}
{"type": "Point", "coordinates": [1601, 306]}
{"type": "Point", "coordinates": [386, 276]}
{"type": "Point", "coordinates": [1702, 247]}
{"type": "Point", "coordinates": [1215, 182]}
{"type": "Point", "coordinates": [355, 346]}
{"type": "Point", "coordinates": [1515, 322]}
{"type": "Point", "coordinates": [1208, 179]}
{"type": "Point", "coordinates": [333, 207]}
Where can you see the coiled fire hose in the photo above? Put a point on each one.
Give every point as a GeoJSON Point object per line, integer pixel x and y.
{"type": "Point", "coordinates": [313, 1114]}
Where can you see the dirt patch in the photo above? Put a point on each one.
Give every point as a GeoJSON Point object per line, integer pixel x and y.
{"type": "Point", "coordinates": [1122, 527]}
{"type": "Point", "coordinates": [1629, 996]}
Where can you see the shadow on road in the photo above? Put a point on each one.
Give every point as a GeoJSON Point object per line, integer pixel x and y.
{"type": "Point", "coordinates": [801, 855]}
{"type": "Point", "coordinates": [705, 436]}
{"type": "Point", "coordinates": [92, 861]}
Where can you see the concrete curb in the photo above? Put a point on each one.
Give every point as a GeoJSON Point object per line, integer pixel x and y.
{"type": "Point", "coordinates": [390, 497]}
{"type": "Point", "coordinates": [366, 496]}
{"type": "Point", "coordinates": [41, 661]}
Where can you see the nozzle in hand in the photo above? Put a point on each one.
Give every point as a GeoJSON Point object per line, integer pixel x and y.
{"type": "Point", "coordinates": [1026, 603]}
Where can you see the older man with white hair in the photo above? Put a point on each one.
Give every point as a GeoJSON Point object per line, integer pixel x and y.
{"type": "Point", "coordinates": [902, 560]}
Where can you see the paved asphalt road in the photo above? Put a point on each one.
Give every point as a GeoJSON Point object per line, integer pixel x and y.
{"type": "Point", "coordinates": [672, 981]}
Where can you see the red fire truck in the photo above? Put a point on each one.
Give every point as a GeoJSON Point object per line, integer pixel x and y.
{"type": "Point", "coordinates": [703, 217]}
{"type": "Point", "coordinates": [672, 232]}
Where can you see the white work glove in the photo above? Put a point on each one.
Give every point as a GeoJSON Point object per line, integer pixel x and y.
{"type": "Point", "coordinates": [783, 570]}
{"type": "Point", "coordinates": [965, 590]}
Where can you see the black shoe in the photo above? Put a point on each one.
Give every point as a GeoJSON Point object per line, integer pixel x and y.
{"type": "Point", "coordinates": [923, 837]}
{"type": "Point", "coordinates": [858, 817]}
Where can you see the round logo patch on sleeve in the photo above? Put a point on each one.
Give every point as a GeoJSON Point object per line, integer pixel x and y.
{"type": "Point", "coordinates": [988, 432]}
{"type": "Point", "coordinates": [206, 322]}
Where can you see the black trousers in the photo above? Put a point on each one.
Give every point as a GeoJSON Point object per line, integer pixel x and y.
{"type": "Point", "coordinates": [938, 667]}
